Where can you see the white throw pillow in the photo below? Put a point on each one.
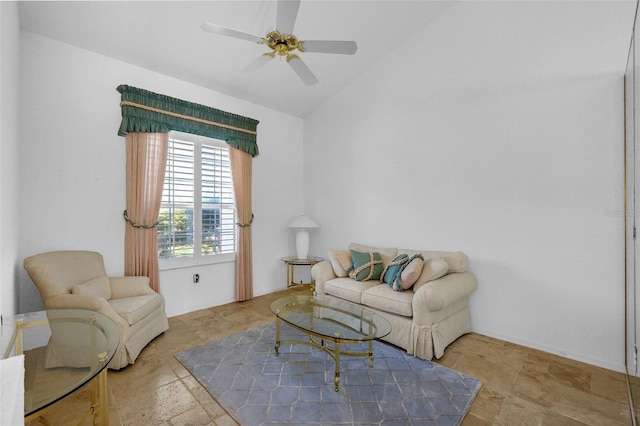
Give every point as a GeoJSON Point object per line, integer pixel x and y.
{"type": "Point", "coordinates": [411, 273]}
{"type": "Point", "coordinates": [96, 287]}
{"type": "Point", "coordinates": [340, 261]}
{"type": "Point", "coordinates": [432, 270]}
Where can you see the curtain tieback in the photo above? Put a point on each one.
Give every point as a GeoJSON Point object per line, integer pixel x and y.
{"type": "Point", "coordinates": [243, 225]}
{"type": "Point", "coordinates": [136, 225]}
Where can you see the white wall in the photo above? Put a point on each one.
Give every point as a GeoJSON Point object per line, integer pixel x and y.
{"type": "Point", "coordinates": [482, 134]}
{"type": "Point", "coordinates": [72, 170]}
{"type": "Point", "coordinates": [9, 48]}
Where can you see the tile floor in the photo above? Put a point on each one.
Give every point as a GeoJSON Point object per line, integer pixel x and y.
{"type": "Point", "coordinates": [521, 386]}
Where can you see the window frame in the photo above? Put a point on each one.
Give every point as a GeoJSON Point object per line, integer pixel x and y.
{"type": "Point", "coordinates": [198, 258]}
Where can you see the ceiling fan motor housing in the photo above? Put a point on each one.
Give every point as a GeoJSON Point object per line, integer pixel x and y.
{"type": "Point", "coordinates": [280, 43]}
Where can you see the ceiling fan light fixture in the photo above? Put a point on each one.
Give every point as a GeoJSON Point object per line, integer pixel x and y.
{"type": "Point", "coordinates": [280, 43]}
{"type": "Point", "coordinates": [281, 49]}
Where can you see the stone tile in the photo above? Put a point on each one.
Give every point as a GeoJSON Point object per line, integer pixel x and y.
{"type": "Point", "coordinates": [487, 404]}
{"type": "Point", "coordinates": [555, 419]}
{"type": "Point", "coordinates": [562, 397]}
{"type": "Point", "coordinates": [208, 402]}
{"type": "Point", "coordinates": [517, 411]}
{"type": "Point", "coordinates": [493, 373]}
{"type": "Point", "coordinates": [158, 405]}
{"type": "Point", "coordinates": [225, 420]}
{"type": "Point", "coordinates": [196, 416]}
{"type": "Point", "coordinates": [149, 372]}
{"type": "Point", "coordinates": [471, 420]}
{"type": "Point", "coordinates": [608, 384]}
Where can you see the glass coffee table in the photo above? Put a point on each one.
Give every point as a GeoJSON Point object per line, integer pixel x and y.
{"type": "Point", "coordinates": [329, 320]}
{"type": "Point", "coordinates": [64, 350]}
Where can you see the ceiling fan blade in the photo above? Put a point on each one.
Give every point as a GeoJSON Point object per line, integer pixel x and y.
{"type": "Point", "coordinates": [259, 62]}
{"type": "Point", "coordinates": [302, 70]}
{"type": "Point", "coordinates": [329, 46]}
{"type": "Point", "coordinates": [219, 29]}
{"type": "Point", "coordinates": [286, 18]}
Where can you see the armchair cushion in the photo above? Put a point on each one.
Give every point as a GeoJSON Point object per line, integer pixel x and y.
{"type": "Point", "coordinates": [99, 287]}
{"type": "Point", "coordinates": [129, 286]}
{"type": "Point", "coordinates": [134, 308]}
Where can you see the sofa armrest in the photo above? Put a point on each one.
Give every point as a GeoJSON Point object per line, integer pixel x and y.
{"type": "Point", "coordinates": [129, 287]}
{"type": "Point", "coordinates": [322, 272]}
{"type": "Point", "coordinates": [436, 294]}
{"type": "Point", "coordinates": [90, 303]}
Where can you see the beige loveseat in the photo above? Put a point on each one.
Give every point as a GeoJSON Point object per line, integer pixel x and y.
{"type": "Point", "coordinates": [426, 317]}
{"type": "Point", "coordinates": [77, 280]}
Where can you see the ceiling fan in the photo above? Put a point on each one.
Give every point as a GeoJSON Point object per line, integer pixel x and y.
{"type": "Point", "coordinates": [282, 42]}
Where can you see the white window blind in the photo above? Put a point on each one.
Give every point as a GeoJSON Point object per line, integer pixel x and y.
{"type": "Point", "coordinates": [197, 214]}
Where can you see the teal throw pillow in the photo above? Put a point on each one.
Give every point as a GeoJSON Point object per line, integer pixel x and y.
{"type": "Point", "coordinates": [392, 274]}
{"type": "Point", "coordinates": [393, 269]}
{"type": "Point", "coordinates": [366, 266]}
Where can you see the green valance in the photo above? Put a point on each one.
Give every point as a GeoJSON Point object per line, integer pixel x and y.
{"type": "Point", "coordinates": [145, 111]}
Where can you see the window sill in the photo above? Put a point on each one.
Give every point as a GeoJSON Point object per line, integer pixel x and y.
{"type": "Point", "coordinates": [191, 262]}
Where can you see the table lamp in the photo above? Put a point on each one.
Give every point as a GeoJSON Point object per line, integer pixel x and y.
{"type": "Point", "coordinates": [302, 224]}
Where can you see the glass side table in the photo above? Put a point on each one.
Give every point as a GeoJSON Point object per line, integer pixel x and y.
{"type": "Point", "coordinates": [292, 262]}
{"type": "Point", "coordinates": [64, 350]}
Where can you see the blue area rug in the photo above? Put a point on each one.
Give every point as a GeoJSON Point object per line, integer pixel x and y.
{"type": "Point", "coordinates": [257, 387]}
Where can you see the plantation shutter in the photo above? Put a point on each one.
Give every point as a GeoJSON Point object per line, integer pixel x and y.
{"type": "Point", "coordinates": [218, 202]}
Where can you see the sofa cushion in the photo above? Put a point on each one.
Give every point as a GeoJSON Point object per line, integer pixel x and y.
{"type": "Point", "coordinates": [133, 309]}
{"type": "Point", "coordinates": [338, 259]}
{"type": "Point", "coordinates": [96, 287]}
{"type": "Point", "coordinates": [387, 253]}
{"type": "Point", "coordinates": [366, 266]}
{"type": "Point", "coordinates": [384, 298]}
{"type": "Point", "coordinates": [456, 260]}
{"type": "Point", "coordinates": [348, 289]}
{"type": "Point", "coordinates": [432, 270]}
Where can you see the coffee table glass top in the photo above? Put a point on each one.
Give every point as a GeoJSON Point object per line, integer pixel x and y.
{"type": "Point", "coordinates": [325, 316]}
{"type": "Point", "coordinates": [64, 350]}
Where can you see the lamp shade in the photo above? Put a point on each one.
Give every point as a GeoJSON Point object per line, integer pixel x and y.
{"type": "Point", "coordinates": [303, 222]}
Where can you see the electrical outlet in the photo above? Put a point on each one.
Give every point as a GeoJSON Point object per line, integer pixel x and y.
{"type": "Point", "coordinates": [196, 278]}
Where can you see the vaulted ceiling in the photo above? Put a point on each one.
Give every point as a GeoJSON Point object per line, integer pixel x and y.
{"type": "Point", "coordinates": [166, 37]}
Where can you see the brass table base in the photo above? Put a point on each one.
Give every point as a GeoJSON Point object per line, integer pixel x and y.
{"type": "Point", "coordinates": [335, 352]}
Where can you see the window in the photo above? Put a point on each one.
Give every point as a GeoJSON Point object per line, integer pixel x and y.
{"type": "Point", "coordinates": [197, 213]}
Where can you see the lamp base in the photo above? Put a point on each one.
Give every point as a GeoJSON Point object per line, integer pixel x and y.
{"type": "Point", "coordinates": [302, 244]}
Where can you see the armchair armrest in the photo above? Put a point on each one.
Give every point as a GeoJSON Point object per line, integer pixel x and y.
{"type": "Point", "coordinates": [322, 272]}
{"type": "Point", "coordinates": [129, 287]}
{"type": "Point", "coordinates": [90, 303]}
{"type": "Point", "coordinates": [435, 295]}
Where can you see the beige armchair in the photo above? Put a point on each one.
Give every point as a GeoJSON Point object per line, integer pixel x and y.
{"type": "Point", "coordinates": [77, 280]}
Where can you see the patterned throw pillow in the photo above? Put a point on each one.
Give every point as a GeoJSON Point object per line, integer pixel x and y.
{"type": "Point", "coordinates": [394, 273]}
{"type": "Point", "coordinates": [393, 268]}
{"type": "Point", "coordinates": [366, 266]}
